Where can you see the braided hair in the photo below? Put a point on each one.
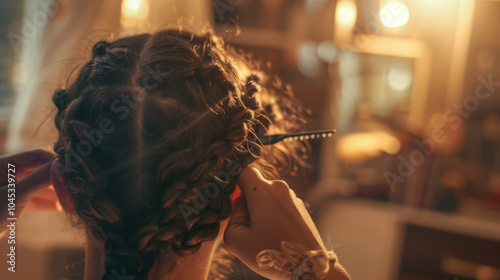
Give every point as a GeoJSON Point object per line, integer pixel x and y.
{"type": "Point", "coordinates": [148, 122]}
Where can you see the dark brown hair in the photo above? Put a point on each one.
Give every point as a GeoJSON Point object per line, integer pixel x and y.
{"type": "Point", "coordinates": [150, 120]}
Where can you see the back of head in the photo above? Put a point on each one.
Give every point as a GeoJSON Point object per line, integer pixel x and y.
{"type": "Point", "coordinates": [147, 123]}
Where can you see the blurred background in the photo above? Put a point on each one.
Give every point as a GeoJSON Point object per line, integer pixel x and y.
{"type": "Point", "coordinates": [409, 187]}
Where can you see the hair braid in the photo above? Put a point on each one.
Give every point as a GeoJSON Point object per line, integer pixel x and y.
{"type": "Point", "coordinates": [171, 111]}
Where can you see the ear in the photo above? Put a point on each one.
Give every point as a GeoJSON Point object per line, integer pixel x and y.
{"type": "Point", "coordinates": [56, 172]}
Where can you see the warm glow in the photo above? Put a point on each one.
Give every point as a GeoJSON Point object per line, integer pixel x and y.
{"type": "Point", "coordinates": [362, 146]}
{"type": "Point", "coordinates": [308, 62]}
{"type": "Point", "coordinates": [394, 14]}
{"type": "Point", "coordinates": [399, 76]}
{"type": "Point", "coordinates": [437, 120]}
{"type": "Point", "coordinates": [346, 12]}
{"type": "Point", "coordinates": [134, 12]}
{"type": "Point", "coordinates": [327, 51]}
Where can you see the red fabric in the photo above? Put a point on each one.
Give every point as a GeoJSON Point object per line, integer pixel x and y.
{"type": "Point", "coordinates": [60, 187]}
{"type": "Point", "coordinates": [235, 194]}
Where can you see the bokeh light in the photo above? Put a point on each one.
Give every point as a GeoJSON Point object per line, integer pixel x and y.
{"type": "Point", "coordinates": [346, 12]}
{"type": "Point", "coordinates": [399, 76]}
{"type": "Point", "coordinates": [134, 12]}
{"type": "Point", "coordinates": [327, 51]}
{"type": "Point", "coordinates": [308, 62]}
{"type": "Point", "coordinates": [394, 14]}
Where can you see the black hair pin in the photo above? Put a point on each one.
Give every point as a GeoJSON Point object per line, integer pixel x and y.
{"type": "Point", "coordinates": [253, 148]}
{"type": "Point", "coordinates": [275, 138]}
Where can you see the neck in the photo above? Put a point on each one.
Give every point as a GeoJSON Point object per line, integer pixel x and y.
{"type": "Point", "coordinates": [184, 268]}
